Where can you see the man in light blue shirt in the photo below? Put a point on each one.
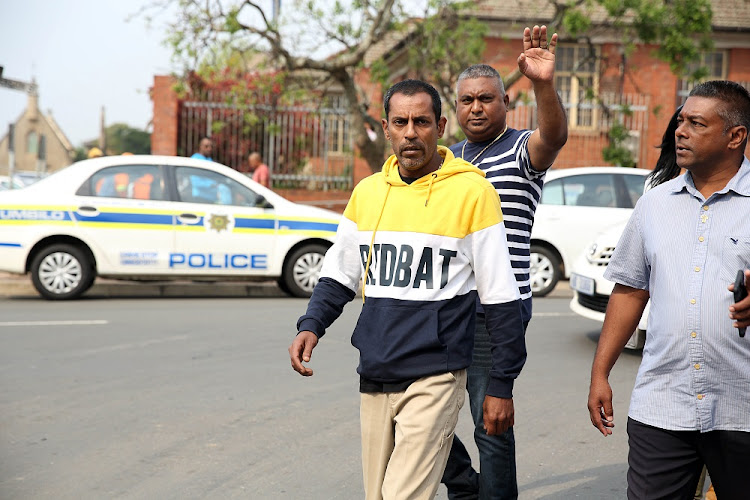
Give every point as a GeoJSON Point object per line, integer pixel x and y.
{"type": "Point", "coordinates": [682, 248]}
{"type": "Point", "coordinates": [205, 149]}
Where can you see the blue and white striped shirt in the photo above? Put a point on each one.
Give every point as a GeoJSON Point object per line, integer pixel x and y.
{"type": "Point", "coordinates": [686, 250]}
{"type": "Point", "coordinates": [508, 167]}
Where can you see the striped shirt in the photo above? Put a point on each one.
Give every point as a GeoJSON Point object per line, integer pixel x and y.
{"type": "Point", "coordinates": [508, 167]}
{"type": "Point", "coordinates": [686, 250]}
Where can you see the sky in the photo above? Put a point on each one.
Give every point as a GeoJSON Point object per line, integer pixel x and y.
{"type": "Point", "coordinates": [83, 55]}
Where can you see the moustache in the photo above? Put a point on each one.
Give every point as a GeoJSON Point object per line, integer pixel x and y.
{"type": "Point", "coordinates": [410, 146]}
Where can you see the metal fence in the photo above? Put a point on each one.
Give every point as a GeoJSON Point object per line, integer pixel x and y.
{"type": "Point", "coordinates": [304, 147]}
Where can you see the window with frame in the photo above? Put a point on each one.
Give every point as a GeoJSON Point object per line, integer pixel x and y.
{"type": "Point", "coordinates": [576, 79]}
{"type": "Point", "coordinates": [337, 124]}
{"type": "Point", "coordinates": [714, 62]}
{"type": "Point", "coordinates": [32, 142]}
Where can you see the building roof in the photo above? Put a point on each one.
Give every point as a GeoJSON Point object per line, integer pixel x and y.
{"type": "Point", "coordinates": [729, 15]}
{"type": "Point", "coordinates": [58, 132]}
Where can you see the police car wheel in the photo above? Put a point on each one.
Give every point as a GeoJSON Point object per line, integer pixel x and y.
{"type": "Point", "coordinates": [302, 270]}
{"type": "Point", "coordinates": [61, 272]}
{"type": "Point", "coordinates": [545, 271]}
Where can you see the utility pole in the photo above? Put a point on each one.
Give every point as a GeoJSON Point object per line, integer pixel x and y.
{"type": "Point", "coordinates": [11, 152]}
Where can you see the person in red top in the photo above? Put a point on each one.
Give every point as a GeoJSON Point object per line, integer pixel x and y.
{"type": "Point", "coordinates": [260, 171]}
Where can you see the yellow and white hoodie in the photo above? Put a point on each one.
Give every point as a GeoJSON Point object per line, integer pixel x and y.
{"type": "Point", "coordinates": [426, 249]}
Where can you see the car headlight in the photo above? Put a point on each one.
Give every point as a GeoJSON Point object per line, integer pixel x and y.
{"type": "Point", "coordinates": [591, 250]}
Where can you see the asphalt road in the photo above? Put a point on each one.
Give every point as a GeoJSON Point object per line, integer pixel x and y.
{"type": "Point", "coordinates": [195, 398]}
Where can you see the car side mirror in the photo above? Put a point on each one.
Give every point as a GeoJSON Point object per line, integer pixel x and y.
{"type": "Point", "coordinates": [261, 202]}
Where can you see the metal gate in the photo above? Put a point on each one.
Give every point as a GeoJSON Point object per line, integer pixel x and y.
{"type": "Point", "coordinates": [304, 146]}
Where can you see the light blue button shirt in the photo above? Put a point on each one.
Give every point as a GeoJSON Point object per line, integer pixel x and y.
{"type": "Point", "coordinates": [685, 250]}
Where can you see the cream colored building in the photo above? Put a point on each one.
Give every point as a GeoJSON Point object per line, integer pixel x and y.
{"type": "Point", "coordinates": [29, 127]}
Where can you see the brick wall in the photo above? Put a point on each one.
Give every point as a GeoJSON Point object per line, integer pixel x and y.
{"type": "Point", "coordinates": [166, 115]}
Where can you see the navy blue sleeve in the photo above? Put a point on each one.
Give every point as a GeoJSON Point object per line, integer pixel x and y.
{"type": "Point", "coordinates": [328, 300]}
{"type": "Point", "coordinates": [507, 344]}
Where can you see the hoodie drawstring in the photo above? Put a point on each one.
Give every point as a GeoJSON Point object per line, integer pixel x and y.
{"type": "Point", "coordinates": [429, 188]}
{"type": "Point", "coordinates": [372, 241]}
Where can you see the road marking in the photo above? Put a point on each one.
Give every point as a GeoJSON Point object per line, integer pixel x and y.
{"type": "Point", "coordinates": [552, 315]}
{"type": "Point", "coordinates": [55, 323]}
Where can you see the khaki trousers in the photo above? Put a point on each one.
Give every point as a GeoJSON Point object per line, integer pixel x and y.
{"type": "Point", "coordinates": [406, 436]}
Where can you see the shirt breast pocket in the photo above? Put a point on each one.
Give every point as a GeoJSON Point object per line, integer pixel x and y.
{"type": "Point", "coordinates": [735, 255]}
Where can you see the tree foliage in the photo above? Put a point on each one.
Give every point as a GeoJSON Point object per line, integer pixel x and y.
{"type": "Point", "coordinates": [680, 30]}
{"type": "Point", "coordinates": [122, 138]}
{"type": "Point", "coordinates": [313, 46]}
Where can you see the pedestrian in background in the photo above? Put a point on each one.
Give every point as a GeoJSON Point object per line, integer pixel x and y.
{"type": "Point", "coordinates": [515, 162]}
{"type": "Point", "coordinates": [205, 149]}
{"type": "Point", "coordinates": [415, 234]}
{"type": "Point", "coordinates": [682, 247]}
{"type": "Point", "coordinates": [260, 171]}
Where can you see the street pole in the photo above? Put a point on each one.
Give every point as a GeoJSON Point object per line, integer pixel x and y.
{"type": "Point", "coordinates": [11, 152]}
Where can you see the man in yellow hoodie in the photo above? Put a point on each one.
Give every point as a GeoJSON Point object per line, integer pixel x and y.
{"type": "Point", "coordinates": [424, 236]}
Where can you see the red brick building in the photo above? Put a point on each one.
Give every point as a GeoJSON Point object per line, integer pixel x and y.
{"type": "Point", "coordinates": [638, 80]}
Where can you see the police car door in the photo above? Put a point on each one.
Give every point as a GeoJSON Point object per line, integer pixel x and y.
{"type": "Point", "coordinates": [222, 228]}
{"type": "Point", "coordinates": [125, 217]}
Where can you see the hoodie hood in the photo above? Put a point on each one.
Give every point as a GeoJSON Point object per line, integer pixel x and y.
{"type": "Point", "coordinates": [451, 166]}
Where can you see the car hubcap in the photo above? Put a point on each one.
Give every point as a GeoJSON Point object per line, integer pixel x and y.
{"type": "Point", "coordinates": [60, 272]}
{"type": "Point", "coordinates": [307, 271]}
{"type": "Point", "coordinates": [542, 272]}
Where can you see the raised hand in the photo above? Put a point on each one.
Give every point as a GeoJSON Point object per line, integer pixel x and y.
{"type": "Point", "coordinates": [537, 61]}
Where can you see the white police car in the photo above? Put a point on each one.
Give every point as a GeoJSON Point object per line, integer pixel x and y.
{"type": "Point", "coordinates": [158, 217]}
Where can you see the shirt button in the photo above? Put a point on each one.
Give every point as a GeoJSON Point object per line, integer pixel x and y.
{"type": "Point", "coordinates": [697, 269]}
{"type": "Point", "coordinates": [700, 396]}
{"type": "Point", "coordinates": [697, 366]}
{"type": "Point", "coordinates": [705, 207]}
{"type": "Point", "coordinates": [692, 301]}
{"type": "Point", "coordinates": [701, 239]}
{"type": "Point", "coordinates": [693, 334]}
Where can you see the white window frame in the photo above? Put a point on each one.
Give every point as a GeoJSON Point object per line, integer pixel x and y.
{"type": "Point", "coordinates": [685, 84]}
{"type": "Point", "coordinates": [572, 99]}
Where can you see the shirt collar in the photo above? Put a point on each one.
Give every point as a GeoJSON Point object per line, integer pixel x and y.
{"type": "Point", "coordinates": [740, 183]}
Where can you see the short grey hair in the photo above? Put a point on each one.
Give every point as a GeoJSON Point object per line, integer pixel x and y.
{"type": "Point", "coordinates": [481, 71]}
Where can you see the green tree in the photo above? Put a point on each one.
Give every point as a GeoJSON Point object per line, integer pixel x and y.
{"type": "Point", "coordinates": [123, 138]}
{"type": "Point", "coordinates": [314, 45]}
{"type": "Point", "coordinates": [680, 29]}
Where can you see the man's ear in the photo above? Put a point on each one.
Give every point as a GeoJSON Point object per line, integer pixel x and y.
{"type": "Point", "coordinates": [737, 137]}
{"type": "Point", "coordinates": [385, 129]}
{"type": "Point", "coordinates": [441, 126]}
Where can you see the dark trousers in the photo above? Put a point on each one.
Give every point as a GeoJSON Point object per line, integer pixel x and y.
{"type": "Point", "coordinates": [497, 454]}
{"type": "Point", "coordinates": [667, 464]}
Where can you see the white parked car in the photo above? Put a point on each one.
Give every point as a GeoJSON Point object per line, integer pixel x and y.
{"type": "Point", "coordinates": [591, 291]}
{"type": "Point", "coordinates": [576, 205]}
{"type": "Point", "coordinates": [5, 183]}
{"type": "Point", "coordinates": [158, 217]}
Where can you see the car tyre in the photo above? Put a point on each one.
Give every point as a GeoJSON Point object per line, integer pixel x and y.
{"type": "Point", "coordinates": [302, 270]}
{"type": "Point", "coordinates": [62, 272]}
{"type": "Point", "coordinates": [544, 272]}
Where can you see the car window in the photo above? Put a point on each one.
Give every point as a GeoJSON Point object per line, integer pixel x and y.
{"type": "Point", "coordinates": [552, 193]}
{"type": "Point", "coordinates": [634, 185]}
{"type": "Point", "coordinates": [590, 190]}
{"type": "Point", "coordinates": [138, 182]}
{"type": "Point", "coordinates": [196, 185]}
